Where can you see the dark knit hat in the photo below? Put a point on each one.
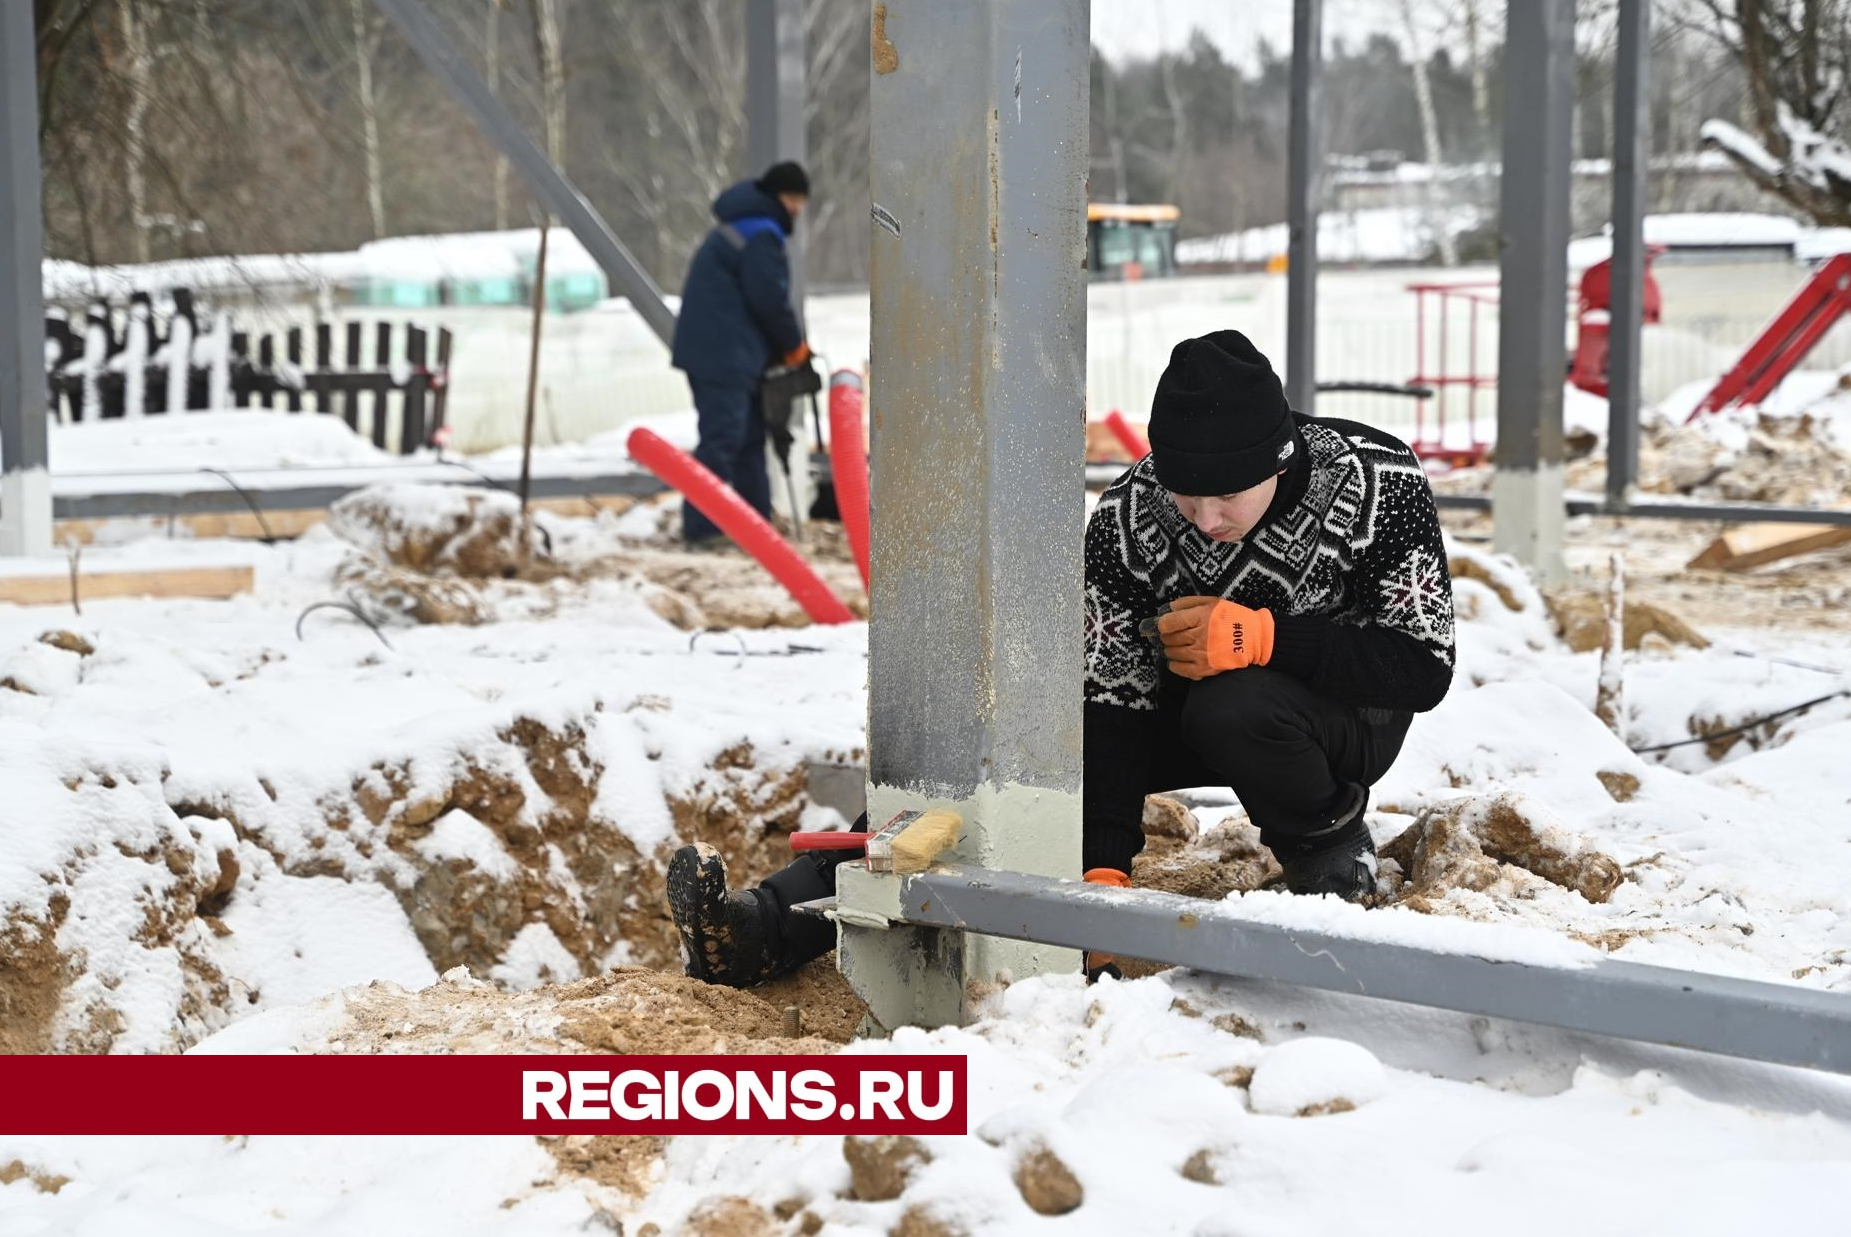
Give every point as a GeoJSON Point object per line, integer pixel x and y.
{"type": "Point", "coordinates": [1219, 422]}
{"type": "Point", "coordinates": [786, 177]}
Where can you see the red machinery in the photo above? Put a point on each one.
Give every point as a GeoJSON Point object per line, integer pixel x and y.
{"type": "Point", "coordinates": [1594, 319]}
{"type": "Point", "coordinates": [1785, 341]}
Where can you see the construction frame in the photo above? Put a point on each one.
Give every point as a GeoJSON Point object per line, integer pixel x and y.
{"type": "Point", "coordinates": [978, 305]}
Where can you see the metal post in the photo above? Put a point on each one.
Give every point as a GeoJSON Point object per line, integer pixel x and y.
{"type": "Point", "coordinates": [548, 183]}
{"type": "Point", "coordinates": [1533, 303]}
{"type": "Point", "coordinates": [776, 96]}
{"type": "Point", "coordinates": [1304, 181]}
{"type": "Point", "coordinates": [1632, 130]}
{"type": "Point", "coordinates": [25, 485]}
{"type": "Point", "coordinates": [979, 370]}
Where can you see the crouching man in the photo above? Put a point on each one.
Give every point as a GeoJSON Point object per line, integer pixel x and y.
{"type": "Point", "coordinates": [1267, 607]}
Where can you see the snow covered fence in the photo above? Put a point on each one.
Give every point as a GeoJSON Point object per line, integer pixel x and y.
{"type": "Point", "coordinates": [123, 365]}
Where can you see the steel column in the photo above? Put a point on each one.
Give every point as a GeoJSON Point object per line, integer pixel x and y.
{"type": "Point", "coordinates": [25, 485]}
{"type": "Point", "coordinates": [1304, 192]}
{"type": "Point", "coordinates": [777, 96]}
{"type": "Point", "coordinates": [1782, 1023]}
{"type": "Point", "coordinates": [978, 381]}
{"type": "Point", "coordinates": [1533, 261]}
{"type": "Point", "coordinates": [1632, 131]}
{"type": "Point", "coordinates": [547, 182]}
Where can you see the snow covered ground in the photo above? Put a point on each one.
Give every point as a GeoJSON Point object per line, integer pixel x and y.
{"type": "Point", "coordinates": [208, 818]}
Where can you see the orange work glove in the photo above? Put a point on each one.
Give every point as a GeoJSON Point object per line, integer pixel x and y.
{"type": "Point", "coordinates": [1204, 636]}
{"type": "Point", "coordinates": [1094, 963]}
{"type": "Point", "coordinates": [798, 355]}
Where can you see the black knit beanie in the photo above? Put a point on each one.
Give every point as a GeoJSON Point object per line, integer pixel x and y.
{"type": "Point", "coordinates": [1219, 422]}
{"type": "Point", "coordinates": [786, 177]}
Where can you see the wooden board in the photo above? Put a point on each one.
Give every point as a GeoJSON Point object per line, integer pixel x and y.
{"type": "Point", "coordinates": [1752, 545]}
{"type": "Point", "coordinates": [55, 589]}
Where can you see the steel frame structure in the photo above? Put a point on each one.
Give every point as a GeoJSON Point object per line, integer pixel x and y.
{"type": "Point", "coordinates": [973, 705]}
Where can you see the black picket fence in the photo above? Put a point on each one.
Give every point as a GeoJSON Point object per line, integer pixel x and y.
{"type": "Point", "coordinates": [92, 376]}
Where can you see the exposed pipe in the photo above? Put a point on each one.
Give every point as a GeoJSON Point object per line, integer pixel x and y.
{"type": "Point", "coordinates": [848, 463]}
{"type": "Point", "coordinates": [751, 531]}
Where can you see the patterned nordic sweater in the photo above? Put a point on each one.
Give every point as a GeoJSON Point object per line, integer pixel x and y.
{"type": "Point", "coordinates": [1348, 558]}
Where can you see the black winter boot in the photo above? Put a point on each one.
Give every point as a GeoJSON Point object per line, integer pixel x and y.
{"type": "Point", "coordinates": [724, 934]}
{"type": "Point", "coordinates": [1337, 859]}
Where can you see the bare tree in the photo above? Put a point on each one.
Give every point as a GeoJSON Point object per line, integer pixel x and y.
{"type": "Point", "coordinates": [1481, 80]}
{"type": "Point", "coordinates": [552, 77]}
{"type": "Point", "coordinates": [494, 86]}
{"type": "Point", "coordinates": [364, 44]}
{"type": "Point", "coordinates": [1796, 58]}
{"type": "Point", "coordinates": [141, 71]}
{"type": "Point", "coordinates": [1430, 135]}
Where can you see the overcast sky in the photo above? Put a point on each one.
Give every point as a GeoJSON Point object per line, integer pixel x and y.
{"type": "Point", "coordinates": [1127, 28]}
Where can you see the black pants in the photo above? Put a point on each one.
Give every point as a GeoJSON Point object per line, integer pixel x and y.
{"type": "Point", "coordinates": [1285, 751]}
{"type": "Point", "coordinates": [732, 446]}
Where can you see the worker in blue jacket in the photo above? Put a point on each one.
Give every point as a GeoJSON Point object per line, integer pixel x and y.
{"type": "Point", "coordinates": [736, 322]}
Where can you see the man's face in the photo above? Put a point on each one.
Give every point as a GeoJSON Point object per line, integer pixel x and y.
{"type": "Point", "coordinates": [1229, 517]}
{"type": "Point", "coordinates": [794, 203]}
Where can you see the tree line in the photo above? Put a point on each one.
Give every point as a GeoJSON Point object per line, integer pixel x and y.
{"type": "Point", "coordinates": [176, 128]}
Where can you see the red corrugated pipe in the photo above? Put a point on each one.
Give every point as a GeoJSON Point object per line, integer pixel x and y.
{"type": "Point", "coordinates": [848, 461]}
{"type": "Point", "coordinates": [753, 533]}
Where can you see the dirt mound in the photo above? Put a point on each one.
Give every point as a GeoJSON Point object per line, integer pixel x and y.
{"type": "Point", "coordinates": [628, 1011]}
{"type": "Point", "coordinates": [1732, 457]}
{"type": "Point", "coordinates": [436, 529]}
{"type": "Point", "coordinates": [631, 1010]}
{"type": "Point", "coordinates": [1046, 1184]}
{"type": "Point", "coordinates": [1209, 864]}
{"type": "Point", "coordinates": [881, 1166]}
{"type": "Point", "coordinates": [451, 554]}
{"type": "Point", "coordinates": [1581, 616]}
{"type": "Point", "coordinates": [722, 587]}
{"type": "Point", "coordinates": [1483, 842]}
{"type": "Point", "coordinates": [32, 978]}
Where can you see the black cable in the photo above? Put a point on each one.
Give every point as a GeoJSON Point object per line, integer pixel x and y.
{"type": "Point", "coordinates": [350, 608]}
{"type": "Point", "coordinates": [1787, 661]}
{"type": "Point", "coordinates": [1744, 728]}
{"type": "Point", "coordinates": [221, 474]}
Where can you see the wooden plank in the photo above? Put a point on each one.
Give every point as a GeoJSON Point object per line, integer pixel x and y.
{"type": "Point", "coordinates": [45, 590]}
{"type": "Point", "coordinates": [1753, 545]}
{"type": "Point", "coordinates": [290, 523]}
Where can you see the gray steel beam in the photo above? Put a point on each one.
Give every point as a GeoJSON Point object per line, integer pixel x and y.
{"type": "Point", "coordinates": [1632, 131]}
{"type": "Point", "coordinates": [1733, 513]}
{"type": "Point", "coordinates": [25, 485]}
{"type": "Point", "coordinates": [1788, 1025]}
{"type": "Point", "coordinates": [548, 183]}
{"type": "Point", "coordinates": [979, 357]}
{"type": "Point", "coordinates": [1539, 95]}
{"type": "Point", "coordinates": [216, 496]}
{"type": "Point", "coordinates": [777, 95]}
{"type": "Point", "coordinates": [1303, 197]}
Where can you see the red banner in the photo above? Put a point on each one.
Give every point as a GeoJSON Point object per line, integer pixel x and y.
{"type": "Point", "coordinates": [886, 1094]}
